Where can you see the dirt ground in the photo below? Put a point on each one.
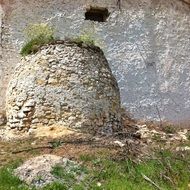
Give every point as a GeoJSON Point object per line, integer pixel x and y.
{"type": "Point", "coordinates": [137, 141]}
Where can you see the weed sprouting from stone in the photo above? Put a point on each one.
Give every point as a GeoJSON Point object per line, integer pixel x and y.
{"type": "Point", "coordinates": [85, 38]}
{"type": "Point", "coordinates": [36, 36]}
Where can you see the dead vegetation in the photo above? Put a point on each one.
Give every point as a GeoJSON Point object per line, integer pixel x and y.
{"type": "Point", "coordinates": [136, 141]}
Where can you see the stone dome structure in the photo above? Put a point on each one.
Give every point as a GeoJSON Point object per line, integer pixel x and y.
{"type": "Point", "coordinates": [67, 84]}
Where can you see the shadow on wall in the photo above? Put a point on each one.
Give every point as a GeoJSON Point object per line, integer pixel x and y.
{"type": "Point", "coordinates": [3, 119]}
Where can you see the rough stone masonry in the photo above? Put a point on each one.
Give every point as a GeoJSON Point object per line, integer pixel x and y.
{"type": "Point", "coordinates": [66, 84]}
{"type": "Point", "coordinates": [146, 43]}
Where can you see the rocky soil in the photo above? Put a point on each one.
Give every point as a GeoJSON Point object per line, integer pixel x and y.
{"type": "Point", "coordinates": [138, 141]}
{"type": "Point", "coordinates": [38, 171]}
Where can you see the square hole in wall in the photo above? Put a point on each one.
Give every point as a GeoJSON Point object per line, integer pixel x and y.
{"type": "Point", "coordinates": [98, 14]}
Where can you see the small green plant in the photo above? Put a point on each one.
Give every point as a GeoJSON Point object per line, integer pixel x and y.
{"type": "Point", "coordinates": [56, 143]}
{"type": "Point", "coordinates": [169, 129]}
{"type": "Point", "coordinates": [188, 136]}
{"type": "Point", "coordinates": [35, 30]}
{"type": "Point", "coordinates": [56, 186]}
{"type": "Point", "coordinates": [158, 138]}
{"type": "Point", "coordinates": [39, 179]}
{"type": "Point", "coordinates": [85, 38]}
{"type": "Point", "coordinates": [87, 157]}
{"type": "Point", "coordinates": [36, 36]}
{"type": "Point", "coordinates": [60, 172]}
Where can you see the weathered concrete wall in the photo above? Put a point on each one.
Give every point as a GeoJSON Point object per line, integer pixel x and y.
{"type": "Point", "coordinates": [146, 43]}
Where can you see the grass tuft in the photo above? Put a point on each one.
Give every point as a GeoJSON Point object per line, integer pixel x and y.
{"type": "Point", "coordinates": [33, 45]}
{"type": "Point", "coordinates": [8, 181]}
{"type": "Point", "coordinates": [84, 38]}
{"type": "Point", "coordinates": [37, 35]}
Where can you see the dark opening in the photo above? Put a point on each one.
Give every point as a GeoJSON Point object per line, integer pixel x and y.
{"type": "Point", "coordinates": [97, 14]}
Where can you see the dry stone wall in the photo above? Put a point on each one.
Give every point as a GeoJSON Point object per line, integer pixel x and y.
{"type": "Point", "coordinates": [65, 84]}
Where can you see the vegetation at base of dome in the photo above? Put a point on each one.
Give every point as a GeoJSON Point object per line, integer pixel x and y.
{"type": "Point", "coordinates": [36, 36]}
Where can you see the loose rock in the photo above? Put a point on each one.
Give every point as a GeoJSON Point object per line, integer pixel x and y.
{"type": "Point", "coordinates": [38, 171]}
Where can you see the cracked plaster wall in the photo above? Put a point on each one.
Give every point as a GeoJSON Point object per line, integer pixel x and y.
{"type": "Point", "coordinates": [146, 43]}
